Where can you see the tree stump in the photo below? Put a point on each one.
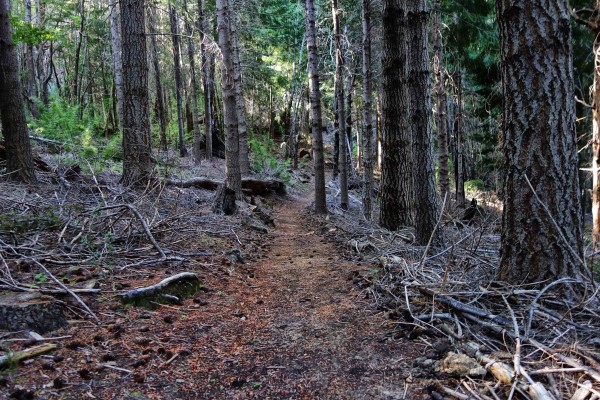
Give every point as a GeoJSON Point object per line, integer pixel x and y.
{"type": "Point", "coordinates": [224, 201]}
{"type": "Point", "coordinates": [30, 311]}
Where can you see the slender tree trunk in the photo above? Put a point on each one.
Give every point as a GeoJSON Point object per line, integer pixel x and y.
{"type": "Point", "coordinates": [336, 133]}
{"type": "Point", "coordinates": [232, 157]}
{"type": "Point", "coordinates": [240, 103]}
{"type": "Point", "coordinates": [459, 177]}
{"type": "Point", "coordinates": [193, 87]}
{"type": "Point", "coordinates": [206, 83]}
{"type": "Point", "coordinates": [340, 115]}
{"type": "Point", "coordinates": [367, 136]}
{"type": "Point", "coordinates": [427, 202]}
{"type": "Point", "coordinates": [12, 110]}
{"type": "Point", "coordinates": [31, 92]}
{"type": "Point", "coordinates": [397, 189]}
{"type": "Point", "coordinates": [541, 225]}
{"type": "Point", "coordinates": [80, 38]}
{"type": "Point", "coordinates": [138, 164]}
{"type": "Point", "coordinates": [440, 95]}
{"type": "Point", "coordinates": [116, 46]}
{"type": "Point", "coordinates": [160, 105]}
{"type": "Point", "coordinates": [315, 101]}
{"type": "Point", "coordinates": [178, 80]}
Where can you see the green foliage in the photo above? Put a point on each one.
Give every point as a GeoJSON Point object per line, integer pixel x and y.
{"type": "Point", "coordinates": [264, 161]}
{"type": "Point", "coordinates": [24, 32]}
{"type": "Point", "coordinates": [12, 221]}
{"type": "Point", "coordinates": [474, 185]}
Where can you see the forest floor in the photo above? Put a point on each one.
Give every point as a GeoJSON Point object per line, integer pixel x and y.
{"type": "Point", "coordinates": [289, 323]}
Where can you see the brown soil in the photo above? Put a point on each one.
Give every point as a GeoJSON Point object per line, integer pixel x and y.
{"type": "Point", "coordinates": [289, 325]}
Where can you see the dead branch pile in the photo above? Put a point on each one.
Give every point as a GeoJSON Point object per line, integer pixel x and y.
{"type": "Point", "coordinates": [499, 342]}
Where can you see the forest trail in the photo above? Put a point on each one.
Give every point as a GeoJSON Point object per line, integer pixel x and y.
{"type": "Point", "coordinates": [303, 330]}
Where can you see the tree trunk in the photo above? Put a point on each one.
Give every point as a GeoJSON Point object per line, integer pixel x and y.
{"type": "Point", "coordinates": [31, 92]}
{"type": "Point", "coordinates": [12, 111]}
{"type": "Point", "coordinates": [137, 156]}
{"type": "Point", "coordinates": [160, 105]}
{"type": "Point", "coordinates": [116, 48]}
{"type": "Point", "coordinates": [396, 190]}
{"type": "Point", "coordinates": [80, 38]}
{"type": "Point", "coordinates": [178, 81]}
{"type": "Point", "coordinates": [440, 95]}
{"type": "Point", "coordinates": [206, 83]}
{"type": "Point", "coordinates": [340, 114]}
{"type": "Point", "coordinates": [232, 156]}
{"type": "Point", "coordinates": [315, 101]}
{"type": "Point", "coordinates": [336, 134]}
{"type": "Point", "coordinates": [240, 103]}
{"type": "Point", "coordinates": [541, 224]}
{"type": "Point", "coordinates": [193, 87]}
{"type": "Point", "coordinates": [427, 202]}
{"type": "Point", "coordinates": [367, 136]}
{"type": "Point", "coordinates": [459, 177]}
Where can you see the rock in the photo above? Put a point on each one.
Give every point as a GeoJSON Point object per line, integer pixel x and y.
{"type": "Point", "coordinates": [460, 365]}
{"type": "Point", "coordinates": [236, 256]}
{"type": "Point", "coordinates": [30, 311]}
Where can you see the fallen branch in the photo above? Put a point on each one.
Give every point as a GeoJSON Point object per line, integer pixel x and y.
{"type": "Point", "coordinates": [25, 354]}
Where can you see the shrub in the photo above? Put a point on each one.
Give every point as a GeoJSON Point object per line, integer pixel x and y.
{"type": "Point", "coordinates": [264, 161]}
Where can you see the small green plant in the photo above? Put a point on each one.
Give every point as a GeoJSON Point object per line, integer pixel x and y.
{"type": "Point", "coordinates": [264, 161]}
{"type": "Point", "coordinates": [474, 185]}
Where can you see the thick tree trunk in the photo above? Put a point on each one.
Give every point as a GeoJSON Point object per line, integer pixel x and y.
{"type": "Point", "coordinates": [206, 83]}
{"type": "Point", "coordinates": [427, 202]}
{"type": "Point", "coordinates": [315, 102]}
{"type": "Point", "coordinates": [116, 45]}
{"type": "Point", "coordinates": [178, 80]}
{"type": "Point", "coordinates": [367, 136]}
{"type": "Point", "coordinates": [397, 189]}
{"type": "Point", "coordinates": [160, 105]}
{"type": "Point", "coordinates": [440, 96]}
{"type": "Point", "coordinates": [541, 224]}
{"type": "Point", "coordinates": [232, 155]}
{"type": "Point", "coordinates": [240, 103]}
{"type": "Point", "coordinates": [138, 164]}
{"type": "Point", "coordinates": [193, 87]}
{"type": "Point", "coordinates": [340, 114]}
{"type": "Point", "coordinates": [12, 110]}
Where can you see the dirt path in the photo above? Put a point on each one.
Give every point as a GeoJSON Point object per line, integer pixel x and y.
{"type": "Point", "coordinates": [303, 330]}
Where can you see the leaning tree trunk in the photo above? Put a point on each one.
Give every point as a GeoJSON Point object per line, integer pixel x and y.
{"type": "Point", "coordinates": [137, 155]}
{"type": "Point", "coordinates": [240, 103]}
{"type": "Point", "coordinates": [541, 220]}
{"type": "Point", "coordinates": [12, 110]}
{"type": "Point", "coordinates": [193, 87]}
{"type": "Point", "coordinates": [232, 155]}
{"type": "Point", "coordinates": [427, 202]}
{"type": "Point", "coordinates": [367, 136]}
{"type": "Point", "coordinates": [178, 81]}
{"type": "Point", "coordinates": [160, 104]}
{"type": "Point", "coordinates": [340, 114]}
{"type": "Point", "coordinates": [206, 85]}
{"type": "Point", "coordinates": [315, 107]}
{"type": "Point", "coordinates": [440, 96]}
{"type": "Point", "coordinates": [116, 45]}
{"type": "Point", "coordinates": [396, 190]}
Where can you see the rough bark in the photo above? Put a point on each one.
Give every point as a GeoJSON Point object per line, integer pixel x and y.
{"type": "Point", "coordinates": [230, 119]}
{"type": "Point", "coordinates": [160, 105]}
{"type": "Point", "coordinates": [178, 80]}
{"type": "Point", "coordinates": [193, 87]}
{"type": "Point", "coordinates": [31, 92]}
{"type": "Point", "coordinates": [116, 45]}
{"type": "Point", "coordinates": [427, 203]}
{"type": "Point", "coordinates": [240, 103]}
{"type": "Point", "coordinates": [396, 190]}
{"type": "Point", "coordinates": [315, 108]}
{"type": "Point", "coordinates": [541, 225]}
{"type": "Point", "coordinates": [137, 156]}
{"type": "Point", "coordinates": [80, 39]}
{"type": "Point", "coordinates": [340, 114]}
{"type": "Point", "coordinates": [206, 83]}
{"type": "Point", "coordinates": [459, 177]}
{"type": "Point", "coordinates": [19, 160]}
{"type": "Point", "coordinates": [440, 97]}
{"type": "Point", "coordinates": [30, 311]}
{"type": "Point", "coordinates": [367, 136]}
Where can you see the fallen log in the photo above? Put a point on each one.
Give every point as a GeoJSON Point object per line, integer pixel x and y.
{"type": "Point", "coordinates": [250, 186]}
{"type": "Point", "coordinates": [168, 291]}
{"type": "Point", "coordinates": [31, 352]}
